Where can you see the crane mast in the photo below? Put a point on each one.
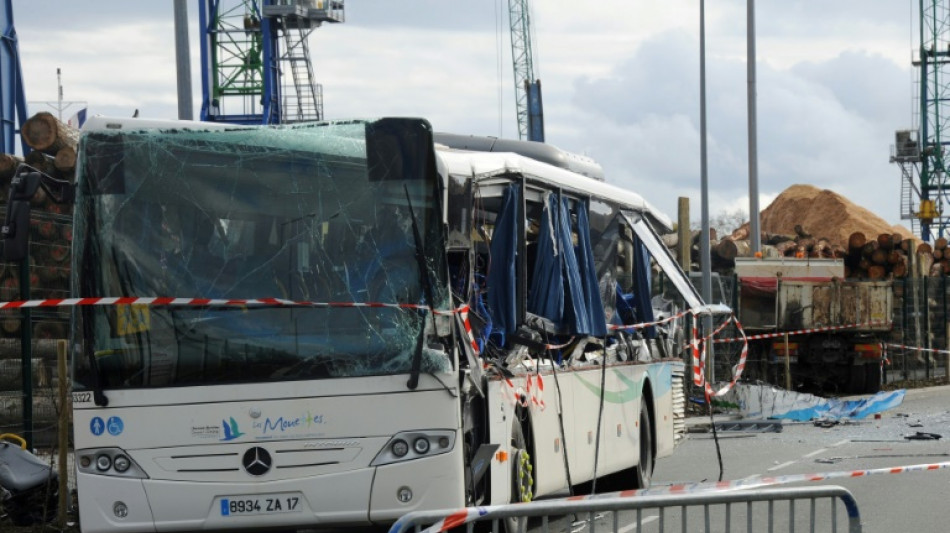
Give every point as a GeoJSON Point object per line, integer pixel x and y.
{"type": "Point", "coordinates": [527, 88]}
{"type": "Point", "coordinates": [920, 152]}
{"type": "Point", "coordinates": [255, 59]}
{"type": "Point", "coordinates": [12, 94]}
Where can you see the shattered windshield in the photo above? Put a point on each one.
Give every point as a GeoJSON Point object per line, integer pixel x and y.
{"type": "Point", "coordinates": [318, 213]}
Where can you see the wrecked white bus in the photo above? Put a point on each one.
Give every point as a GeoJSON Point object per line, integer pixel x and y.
{"type": "Point", "coordinates": [338, 323]}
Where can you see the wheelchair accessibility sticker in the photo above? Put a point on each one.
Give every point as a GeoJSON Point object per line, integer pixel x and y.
{"type": "Point", "coordinates": [114, 426]}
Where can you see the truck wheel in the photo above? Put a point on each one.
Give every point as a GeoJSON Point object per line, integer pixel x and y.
{"type": "Point", "coordinates": [856, 379]}
{"type": "Point", "coordinates": [872, 384]}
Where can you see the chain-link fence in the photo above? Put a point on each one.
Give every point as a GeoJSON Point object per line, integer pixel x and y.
{"type": "Point", "coordinates": [47, 273]}
{"type": "Point", "coordinates": [919, 335]}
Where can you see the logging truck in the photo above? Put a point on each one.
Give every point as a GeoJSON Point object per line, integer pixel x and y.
{"type": "Point", "coordinates": [816, 330]}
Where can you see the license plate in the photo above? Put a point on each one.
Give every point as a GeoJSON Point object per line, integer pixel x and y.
{"type": "Point", "coordinates": [260, 504]}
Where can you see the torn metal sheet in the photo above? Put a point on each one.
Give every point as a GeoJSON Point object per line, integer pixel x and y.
{"type": "Point", "coordinates": [765, 401]}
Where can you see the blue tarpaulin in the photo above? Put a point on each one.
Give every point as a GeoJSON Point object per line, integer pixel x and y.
{"type": "Point", "coordinates": [588, 272]}
{"type": "Point", "coordinates": [576, 317]}
{"type": "Point", "coordinates": [832, 408]}
{"type": "Point", "coordinates": [546, 296]}
{"type": "Point", "coordinates": [564, 287]}
{"type": "Point", "coordinates": [504, 255]}
{"type": "Point", "coordinates": [764, 401]}
{"type": "Point", "coordinates": [641, 286]}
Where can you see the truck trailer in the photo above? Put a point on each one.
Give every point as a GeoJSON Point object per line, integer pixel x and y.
{"type": "Point", "coordinates": [809, 327]}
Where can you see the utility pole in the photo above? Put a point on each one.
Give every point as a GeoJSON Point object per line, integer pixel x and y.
{"type": "Point", "coordinates": [59, 104]}
{"type": "Point", "coordinates": [704, 247]}
{"type": "Point", "coordinates": [183, 61]}
{"type": "Point", "coordinates": [756, 235]}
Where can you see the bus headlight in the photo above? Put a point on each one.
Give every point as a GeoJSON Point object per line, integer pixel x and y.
{"type": "Point", "coordinates": [108, 462]}
{"type": "Point", "coordinates": [121, 463]}
{"type": "Point", "coordinates": [103, 462]}
{"type": "Point", "coordinates": [398, 449]}
{"type": "Point", "coordinates": [421, 445]}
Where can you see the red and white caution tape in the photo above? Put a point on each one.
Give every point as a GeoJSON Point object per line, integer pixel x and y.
{"type": "Point", "coordinates": [213, 302]}
{"type": "Point", "coordinates": [641, 325]}
{"type": "Point", "coordinates": [803, 331]}
{"type": "Point", "coordinates": [468, 328]}
{"type": "Point", "coordinates": [235, 302]}
{"type": "Point", "coordinates": [532, 394]}
{"type": "Point", "coordinates": [470, 514]}
{"type": "Point", "coordinates": [917, 349]}
{"type": "Point", "coordinates": [699, 359]}
{"type": "Point", "coordinates": [551, 347]}
{"type": "Point", "coordinates": [767, 481]}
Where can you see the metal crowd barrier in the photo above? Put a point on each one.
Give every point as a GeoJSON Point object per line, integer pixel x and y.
{"type": "Point", "coordinates": [825, 508]}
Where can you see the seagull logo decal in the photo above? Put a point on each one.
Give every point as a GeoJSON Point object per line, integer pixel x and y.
{"type": "Point", "coordinates": [630, 392]}
{"type": "Point", "coordinates": [231, 430]}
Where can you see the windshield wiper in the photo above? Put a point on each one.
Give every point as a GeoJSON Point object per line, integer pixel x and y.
{"type": "Point", "coordinates": [98, 396]}
{"type": "Point", "coordinates": [416, 368]}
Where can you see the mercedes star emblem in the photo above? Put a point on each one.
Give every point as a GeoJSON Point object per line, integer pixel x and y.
{"type": "Point", "coordinates": [256, 461]}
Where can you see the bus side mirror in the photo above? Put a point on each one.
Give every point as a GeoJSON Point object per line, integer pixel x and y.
{"type": "Point", "coordinates": [24, 185]}
{"type": "Point", "coordinates": [16, 230]}
{"type": "Point", "coordinates": [16, 226]}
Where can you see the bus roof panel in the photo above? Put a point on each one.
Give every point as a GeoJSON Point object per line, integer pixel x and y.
{"type": "Point", "coordinates": [480, 165]}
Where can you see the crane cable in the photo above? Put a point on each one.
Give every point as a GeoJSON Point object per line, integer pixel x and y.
{"type": "Point", "coordinates": [498, 59]}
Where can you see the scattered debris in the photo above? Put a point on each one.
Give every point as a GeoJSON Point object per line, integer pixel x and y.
{"type": "Point", "coordinates": [921, 435]}
{"type": "Point", "coordinates": [751, 426]}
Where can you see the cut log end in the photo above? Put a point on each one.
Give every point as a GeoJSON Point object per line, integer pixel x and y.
{"type": "Point", "coordinates": [46, 133]}
{"type": "Point", "coordinates": [856, 240]}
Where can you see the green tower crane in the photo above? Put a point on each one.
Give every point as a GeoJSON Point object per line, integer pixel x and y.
{"type": "Point", "coordinates": [920, 151]}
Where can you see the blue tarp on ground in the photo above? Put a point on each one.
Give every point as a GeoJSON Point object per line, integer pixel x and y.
{"type": "Point", "coordinates": [765, 401]}
{"type": "Point", "coordinates": [834, 409]}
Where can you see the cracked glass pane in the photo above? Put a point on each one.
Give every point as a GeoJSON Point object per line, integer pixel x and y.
{"type": "Point", "coordinates": [295, 213]}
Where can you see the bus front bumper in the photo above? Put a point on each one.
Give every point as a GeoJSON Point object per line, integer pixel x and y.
{"type": "Point", "coordinates": [366, 496]}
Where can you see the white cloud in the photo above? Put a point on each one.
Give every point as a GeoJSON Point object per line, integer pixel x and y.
{"type": "Point", "coordinates": [620, 81]}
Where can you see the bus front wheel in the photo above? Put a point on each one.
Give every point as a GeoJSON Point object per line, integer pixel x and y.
{"type": "Point", "coordinates": [522, 477]}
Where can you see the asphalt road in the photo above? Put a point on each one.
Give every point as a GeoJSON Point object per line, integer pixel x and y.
{"type": "Point", "coordinates": [887, 502]}
{"type": "Point", "coordinates": [914, 501]}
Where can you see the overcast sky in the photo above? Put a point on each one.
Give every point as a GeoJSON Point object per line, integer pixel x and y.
{"type": "Point", "coordinates": [620, 81]}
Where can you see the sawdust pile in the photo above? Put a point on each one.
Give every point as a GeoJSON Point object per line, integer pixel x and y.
{"type": "Point", "coordinates": [822, 213]}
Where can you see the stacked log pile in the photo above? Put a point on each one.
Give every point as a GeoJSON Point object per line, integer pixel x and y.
{"type": "Point", "coordinates": [886, 256]}
{"type": "Point", "coordinates": [933, 259]}
{"type": "Point", "coordinates": [53, 152]}
{"type": "Point", "coordinates": [883, 257]}
{"type": "Point", "coordinates": [724, 251]}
